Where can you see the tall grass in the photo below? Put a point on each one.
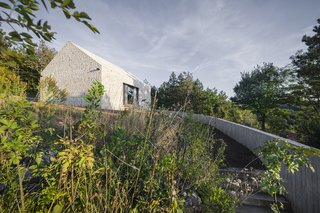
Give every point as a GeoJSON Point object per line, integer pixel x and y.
{"type": "Point", "coordinates": [94, 161]}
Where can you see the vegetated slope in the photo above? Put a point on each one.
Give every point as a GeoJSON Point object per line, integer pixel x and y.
{"type": "Point", "coordinates": [237, 155]}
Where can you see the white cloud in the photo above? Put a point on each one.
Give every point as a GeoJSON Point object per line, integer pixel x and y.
{"type": "Point", "coordinates": [216, 40]}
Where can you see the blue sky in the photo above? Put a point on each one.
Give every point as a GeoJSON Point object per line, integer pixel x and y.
{"type": "Point", "coordinates": [213, 39]}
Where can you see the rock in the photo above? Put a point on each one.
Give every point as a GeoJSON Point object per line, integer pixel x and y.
{"type": "Point", "coordinates": [193, 203]}
{"type": "Point", "coordinates": [3, 188]}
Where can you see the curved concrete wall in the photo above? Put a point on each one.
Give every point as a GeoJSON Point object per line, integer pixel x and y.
{"type": "Point", "coordinates": [303, 187]}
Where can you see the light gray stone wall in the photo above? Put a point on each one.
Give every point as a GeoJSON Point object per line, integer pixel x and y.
{"type": "Point", "coordinates": [303, 187]}
{"type": "Point", "coordinates": [113, 78]}
{"type": "Point", "coordinates": [74, 71]}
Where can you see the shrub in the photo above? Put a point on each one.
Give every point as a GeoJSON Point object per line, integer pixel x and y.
{"type": "Point", "coordinates": [10, 84]}
{"type": "Point", "coordinates": [146, 161]}
{"type": "Point", "coordinates": [49, 92]}
{"type": "Point", "coordinates": [277, 154]}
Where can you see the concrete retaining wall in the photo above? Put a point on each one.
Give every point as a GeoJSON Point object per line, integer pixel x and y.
{"type": "Point", "coordinates": [303, 187]}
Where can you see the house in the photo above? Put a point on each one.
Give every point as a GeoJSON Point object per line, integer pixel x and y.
{"type": "Point", "coordinates": [75, 69]}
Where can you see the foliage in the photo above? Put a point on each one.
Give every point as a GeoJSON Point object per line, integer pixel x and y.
{"type": "Point", "coordinates": [185, 93]}
{"type": "Point", "coordinates": [10, 84]}
{"type": "Point", "coordinates": [307, 71]}
{"type": "Point", "coordinates": [89, 123]}
{"type": "Point", "coordinates": [18, 142]}
{"type": "Point", "coordinates": [93, 98]}
{"type": "Point", "coordinates": [49, 92]}
{"type": "Point", "coordinates": [276, 154]}
{"type": "Point", "coordinates": [21, 16]}
{"type": "Point", "coordinates": [144, 161]}
{"type": "Point", "coordinates": [174, 93]}
{"type": "Point", "coordinates": [28, 66]}
{"type": "Point", "coordinates": [282, 120]}
{"type": "Point", "coordinates": [260, 90]}
{"type": "Point", "coordinates": [200, 167]}
{"type": "Point", "coordinates": [308, 128]}
{"type": "Point", "coordinates": [305, 90]}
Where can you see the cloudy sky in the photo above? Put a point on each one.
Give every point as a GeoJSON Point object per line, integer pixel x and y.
{"type": "Point", "coordinates": [213, 39]}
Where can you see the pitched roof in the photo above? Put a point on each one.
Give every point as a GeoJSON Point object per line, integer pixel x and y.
{"type": "Point", "coordinates": [104, 62]}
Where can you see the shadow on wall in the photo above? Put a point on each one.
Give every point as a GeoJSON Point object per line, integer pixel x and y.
{"type": "Point", "coordinates": [80, 102]}
{"type": "Point", "coordinates": [75, 100]}
{"type": "Point", "coordinates": [106, 103]}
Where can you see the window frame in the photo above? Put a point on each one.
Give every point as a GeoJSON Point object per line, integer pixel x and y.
{"type": "Point", "coordinates": [135, 95]}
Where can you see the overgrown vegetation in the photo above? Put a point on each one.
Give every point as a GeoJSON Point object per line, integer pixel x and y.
{"type": "Point", "coordinates": [27, 66]}
{"type": "Point", "coordinates": [183, 91]}
{"type": "Point", "coordinates": [62, 161]}
{"type": "Point", "coordinates": [95, 162]}
{"type": "Point", "coordinates": [279, 155]}
{"type": "Point", "coordinates": [49, 92]}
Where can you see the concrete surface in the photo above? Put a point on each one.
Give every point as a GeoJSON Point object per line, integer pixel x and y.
{"type": "Point", "coordinates": [303, 187]}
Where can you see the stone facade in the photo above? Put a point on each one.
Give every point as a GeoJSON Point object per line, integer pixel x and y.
{"type": "Point", "coordinates": [75, 69]}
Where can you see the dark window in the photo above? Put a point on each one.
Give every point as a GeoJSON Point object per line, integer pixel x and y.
{"type": "Point", "coordinates": [130, 95]}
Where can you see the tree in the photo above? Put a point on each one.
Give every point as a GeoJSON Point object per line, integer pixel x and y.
{"type": "Point", "coordinates": [307, 71]}
{"type": "Point", "coordinates": [260, 90]}
{"type": "Point", "coordinates": [169, 93]}
{"type": "Point", "coordinates": [28, 66]}
{"type": "Point", "coordinates": [20, 16]}
{"type": "Point", "coordinates": [184, 91]}
{"type": "Point", "coordinates": [306, 89]}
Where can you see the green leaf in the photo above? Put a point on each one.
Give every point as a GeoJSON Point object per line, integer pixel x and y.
{"type": "Point", "coordinates": [15, 34]}
{"type": "Point", "coordinates": [34, 7]}
{"type": "Point", "coordinates": [30, 50]}
{"type": "Point", "coordinates": [57, 209]}
{"type": "Point", "coordinates": [27, 10]}
{"type": "Point", "coordinates": [4, 5]}
{"type": "Point", "coordinates": [53, 4]}
{"type": "Point", "coordinates": [76, 14]}
{"type": "Point", "coordinates": [26, 35]}
{"type": "Point", "coordinates": [84, 15]}
{"type": "Point", "coordinates": [66, 13]}
{"type": "Point", "coordinates": [66, 3]}
{"type": "Point", "coordinates": [2, 129]}
{"type": "Point", "coordinates": [29, 41]}
{"type": "Point", "coordinates": [39, 157]}
{"type": "Point", "coordinates": [91, 27]}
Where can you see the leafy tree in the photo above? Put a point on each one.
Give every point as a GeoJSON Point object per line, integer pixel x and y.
{"type": "Point", "coordinates": [20, 16]}
{"type": "Point", "coordinates": [173, 94]}
{"type": "Point", "coordinates": [260, 90]}
{"type": "Point", "coordinates": [306, 88]}
{"type": "Point", "coordinates": [183, 91]}
{"type": "Point", "coordinates": [44, 55]}
{"type": "Point", "coordinates": [28, 66]}
{"type": "Point", "coordinates": [307, 71]}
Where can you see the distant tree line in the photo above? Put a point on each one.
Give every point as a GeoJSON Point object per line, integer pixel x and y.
{"type": "Point", "coordinates": [183, 92]}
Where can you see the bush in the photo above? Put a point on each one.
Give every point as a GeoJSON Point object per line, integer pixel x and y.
{"type": "Point", "coordinates": [49, 92]}
{"type": "Point", "coordinates": [11, 85]}
{"type": "Point", "coordinates": [142, 161]}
